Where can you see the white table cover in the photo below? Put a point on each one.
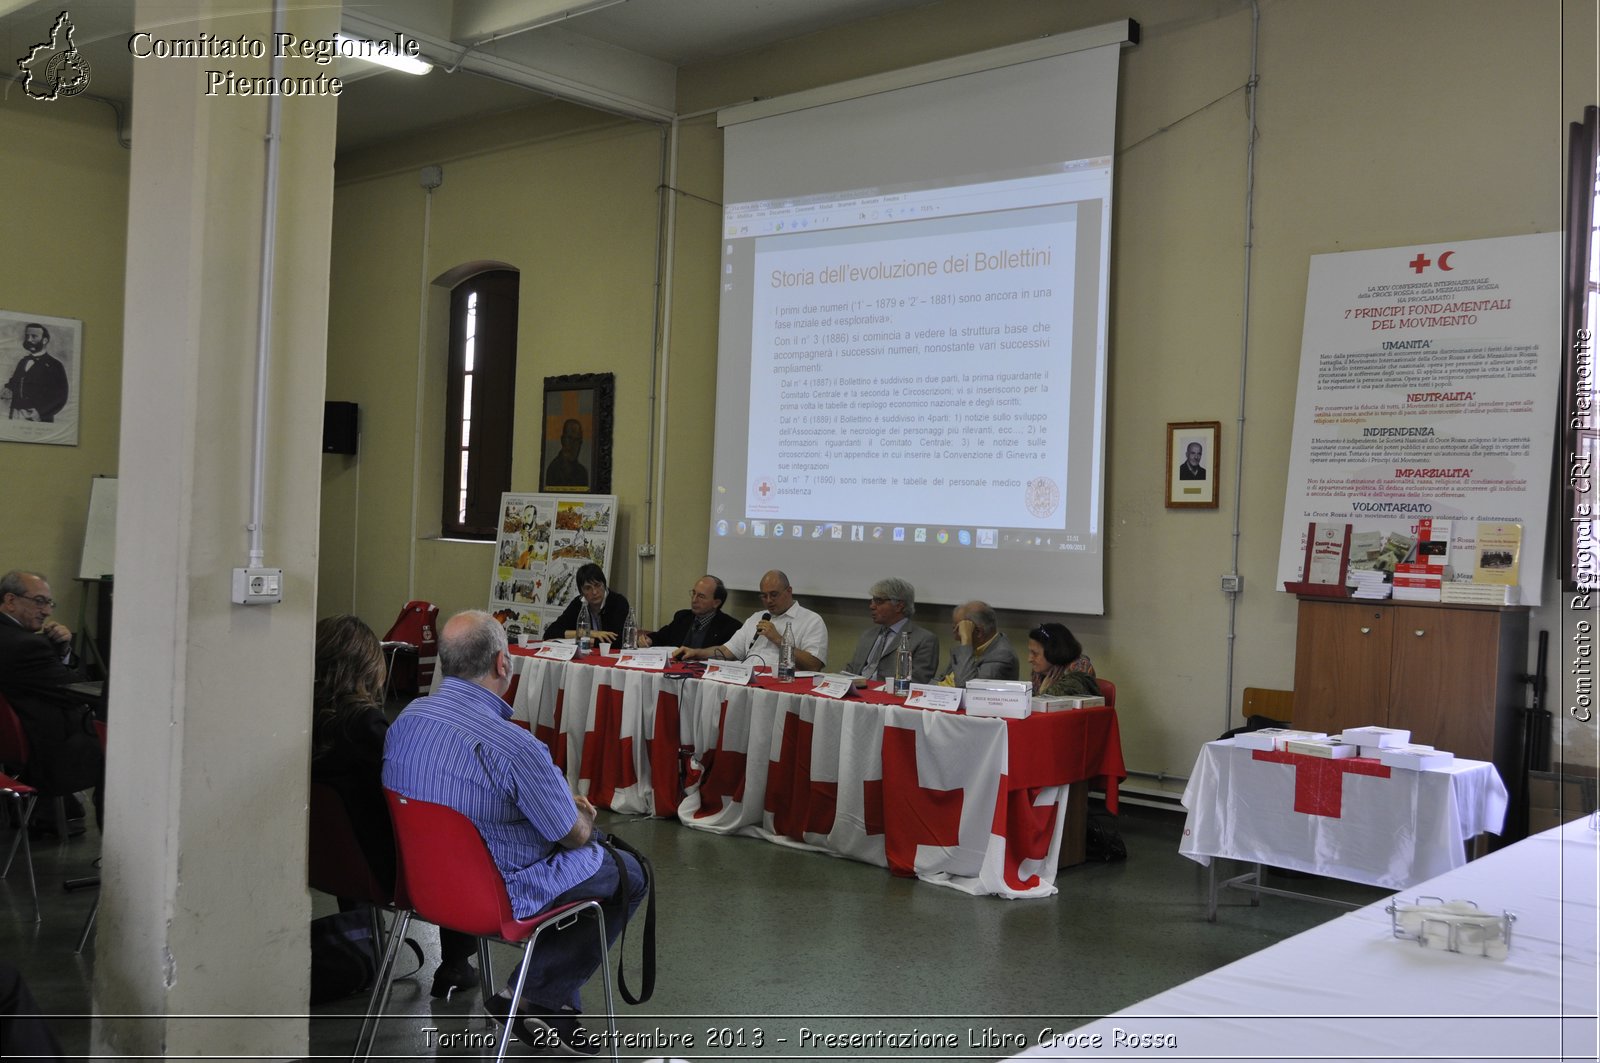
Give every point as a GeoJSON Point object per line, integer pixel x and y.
{"type": "Point", "coordinates": [1348, 990]}
{"type": "Point", "coordinates": [1350, 819]}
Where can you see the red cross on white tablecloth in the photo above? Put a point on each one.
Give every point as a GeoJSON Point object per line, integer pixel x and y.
{"type": "Point", "coordinates": [1319, 781]}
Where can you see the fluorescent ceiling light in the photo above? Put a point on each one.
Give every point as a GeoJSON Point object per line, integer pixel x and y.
{"type": "Point", "coordinates": [365, 51]}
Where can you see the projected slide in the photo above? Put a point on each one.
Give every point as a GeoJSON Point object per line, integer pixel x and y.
{"type": "Point", "coordinates": [911, 365]}
{"type": "Point", "coordinates": [884, 353]}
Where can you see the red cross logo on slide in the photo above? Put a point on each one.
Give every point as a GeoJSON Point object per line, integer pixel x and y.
{"type": "Point", "coordinates": [607, 764]}
{"type": "Point", "coordinates": [1420, 263]}
{"type": "Point", "coordinates": [1319, 782]}
{"type": "Point", "coordinates": [797, 802]}
{"type": "Point", "coordinates": [902, 810]}
{"type": "Point", "coordinates": [763, 489]}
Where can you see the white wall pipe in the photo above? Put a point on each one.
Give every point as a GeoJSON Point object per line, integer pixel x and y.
{"type": "Point", "coordinates": [269, 254]}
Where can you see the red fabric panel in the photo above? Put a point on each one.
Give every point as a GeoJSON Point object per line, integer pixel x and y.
{"type": "Point", "coordinates": [1319, 781]}
{"type": "Point", "coordinates": [607, 762]}
{"type": "Point", "coordinates": [1055, 748]}
{"type": "Point", "coordinates": [797, 803]}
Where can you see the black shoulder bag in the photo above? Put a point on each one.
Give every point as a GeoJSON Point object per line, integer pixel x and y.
{"type": "Point", "coordinates": [616, 907]}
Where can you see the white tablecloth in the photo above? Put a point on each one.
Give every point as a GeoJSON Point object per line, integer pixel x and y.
{"type": "Point", "coordinates": [1350, 819]}
{"type": "Point", "coordinates": [1349, 990]}
{"type": "Point", "coordinates": [972, 803]}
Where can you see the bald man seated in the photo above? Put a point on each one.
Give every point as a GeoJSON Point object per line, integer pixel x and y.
{"type": "Point", "coordinates": [762, 636]}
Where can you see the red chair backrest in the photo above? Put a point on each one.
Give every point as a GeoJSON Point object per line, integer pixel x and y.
{"type": "Point", "coordinates": [13, 739]}
{"type": "Point", "coordinates": [417, 624]}
{"type": "Point", "coordinates": [336, 863]}
{"type": "Point", "coordinates": [446, 873]}
{"type": "Point", "coordinates": [1108, 690]}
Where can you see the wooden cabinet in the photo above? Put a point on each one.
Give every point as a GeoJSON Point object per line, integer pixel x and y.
{"type": "Point", "coordinates": [1446, 672]}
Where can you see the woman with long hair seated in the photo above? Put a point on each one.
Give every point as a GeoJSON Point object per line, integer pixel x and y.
{"type": "Point", "coordinates": [1052, 650]}
{"type": "Point", "coordinates": [347, 730]}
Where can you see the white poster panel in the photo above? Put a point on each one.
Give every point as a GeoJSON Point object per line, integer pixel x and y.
{"type": "Point", "coordinates": [1428, 379]}
{"type": "Point", "coordinates": [542, 541]}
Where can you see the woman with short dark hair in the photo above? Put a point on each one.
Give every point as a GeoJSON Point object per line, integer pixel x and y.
{"type": "Point", "coordinates": [604, 611]}
{"type": "Point", "coordinates": [1052, 649]}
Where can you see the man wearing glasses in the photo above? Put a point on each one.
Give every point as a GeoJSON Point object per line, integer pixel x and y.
{"type": "Point", "coordinates": [35, 669]}
{"type": "Point", "coordinates": [892, 605]}
{"type": "Point", "coordinates": [763, 634]}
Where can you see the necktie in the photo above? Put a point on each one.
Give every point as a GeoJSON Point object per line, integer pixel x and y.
{"type": "Point", "coordinates": [877, 652]}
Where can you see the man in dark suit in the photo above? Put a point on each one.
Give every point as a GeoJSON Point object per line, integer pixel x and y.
{"type": "Point", "coordinates": [565, 471]}
{"type": "Point", "coordinates": [981, 650]}
{"type": "Point", "coordinates": [892, 605]}
{"type": "Point", "coordinates": [35, 668]}
{"type": "Point", "coordinates": [702, 624]}
{"type": "Point", "coordinates": [1192, 469]}
{"type": "Point", "coordinates": [38, 385]}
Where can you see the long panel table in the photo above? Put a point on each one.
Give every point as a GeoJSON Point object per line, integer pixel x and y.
{"type": "Point", "coordinates": [1349, 990]}
{"type": "Point", "coordinates": [975, 804]}
{"type": "Point", "coordinates": [1351, 819]}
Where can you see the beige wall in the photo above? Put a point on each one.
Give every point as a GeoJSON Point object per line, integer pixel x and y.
{"type": "Point", "coordinates": [64, 216]}
{"type": "Point", "coordinates": [1379, 124]}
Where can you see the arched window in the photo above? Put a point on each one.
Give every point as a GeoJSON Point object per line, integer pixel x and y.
{"type": "Point", "coordinates": [479, 402]}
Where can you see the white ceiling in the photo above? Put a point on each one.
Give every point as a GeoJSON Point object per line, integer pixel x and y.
{"type": "Point", "coordinates": [620, 55]}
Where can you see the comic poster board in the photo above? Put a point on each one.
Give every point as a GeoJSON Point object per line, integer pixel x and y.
{"type": "Point", "coordinates": [541, 542]}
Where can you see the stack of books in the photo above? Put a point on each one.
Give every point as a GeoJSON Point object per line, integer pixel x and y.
{"type": "Point", "coordinates": [1369, 583]}
{"type": "Point", "coordinates": [1326, 748]}
{"type": "Point", "coordinates": [1479, 594]}
{"type": "Point", "coordinates": [1273, 738]}
{"type": "Point", "coordinates": [1414, 757]}
{"type": "Point", "coordinates": [1417, 582]}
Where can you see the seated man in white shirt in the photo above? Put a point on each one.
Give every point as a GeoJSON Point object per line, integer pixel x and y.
{"type": "Point", "coordinates": [763, 634]}
{"type": "Point", "coordinates": [892, 605]}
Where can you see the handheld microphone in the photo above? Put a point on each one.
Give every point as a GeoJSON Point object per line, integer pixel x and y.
{"type": "Point", "coordinates": [766, 616]}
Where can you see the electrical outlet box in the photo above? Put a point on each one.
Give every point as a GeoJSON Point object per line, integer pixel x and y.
{"type": "Point", "coordinates": [1232, 583]}
{"type": "Point", "coordinates": [257, 586]}
{"type": "Point", "coordinates": [647, 549]}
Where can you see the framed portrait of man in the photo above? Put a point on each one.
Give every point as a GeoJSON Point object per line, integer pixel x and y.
{"type": "Point", "coordinates": [576, 454]}
{"type": "Point", "coordinates": [40, 363]}
{"type": "Point", "coordinates": [1192, 464]}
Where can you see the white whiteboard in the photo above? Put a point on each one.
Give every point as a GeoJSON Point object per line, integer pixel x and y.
{"type": "Point", "coordinates": [100, 533]}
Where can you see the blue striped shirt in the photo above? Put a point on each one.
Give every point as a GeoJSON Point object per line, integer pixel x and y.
{"type": "Point", "coordinates": [458, 748]}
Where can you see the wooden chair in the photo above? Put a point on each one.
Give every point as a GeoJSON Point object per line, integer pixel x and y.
{"type": "Point", "coordinates": [1274, 704]}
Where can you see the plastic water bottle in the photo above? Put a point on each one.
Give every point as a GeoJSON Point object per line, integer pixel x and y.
{"type": "Point", "coordinates": [902, 665]}
{"type": "Point", "coordinates": [583, 635]}
{"type": "Point", "coordinates": [786, 656]}
{"type": "Point", "coordinates": [630, 633]}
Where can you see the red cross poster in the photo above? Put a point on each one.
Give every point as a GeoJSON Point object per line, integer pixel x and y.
{"type": "Point", "coordinates": [1428, 381]}
{"type": "Point", "coordinates": [542, 541]}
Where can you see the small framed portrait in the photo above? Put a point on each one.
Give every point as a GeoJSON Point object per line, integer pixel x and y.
{"type": "Point", "coordinates": [40, 359]}
{"type": "Point", "coordinates": [576, 453]}
{"type": "Point", "coordinates": [1192, 464]}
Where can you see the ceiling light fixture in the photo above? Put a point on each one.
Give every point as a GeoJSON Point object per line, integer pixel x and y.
{"type": "Point", "coordinates": [365, 51]}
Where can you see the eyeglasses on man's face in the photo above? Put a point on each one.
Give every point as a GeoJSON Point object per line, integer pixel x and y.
{"type": "Point", "coordinates": [37, 599]}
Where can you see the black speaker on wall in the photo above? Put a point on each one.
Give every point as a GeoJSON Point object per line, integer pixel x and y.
{"type": "Point", "coordinates": [339, 420]}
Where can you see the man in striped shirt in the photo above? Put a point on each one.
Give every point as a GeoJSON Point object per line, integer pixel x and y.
{"type": "Point", "coordinates": [459, 748]}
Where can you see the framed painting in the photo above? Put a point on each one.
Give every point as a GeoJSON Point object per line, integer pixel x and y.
{"type": "Point", "coordinates": [575, 457]}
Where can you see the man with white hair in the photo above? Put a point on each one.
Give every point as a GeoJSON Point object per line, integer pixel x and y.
{"type": "Point", "coordinates": [982, 650]}
{"type": "Point", "coordinates": [892, 605]}
{"type": "Point", "coordinates": [458, 747]}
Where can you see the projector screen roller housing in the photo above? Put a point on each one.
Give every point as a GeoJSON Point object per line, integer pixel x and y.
{"type": "Point", "coordinates": [912, 353]}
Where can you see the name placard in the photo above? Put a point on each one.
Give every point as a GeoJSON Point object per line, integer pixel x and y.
{"type": "Point", "coordinates": [557, 651]}
{"type": "Point", "coordinates": [926, 696]}
{"type": "Point", "coordinates": [736, 673]}
{"type": "Point", "coordinates": [832, 686]}
{"type": "Point", "coordinates": [646, 660]}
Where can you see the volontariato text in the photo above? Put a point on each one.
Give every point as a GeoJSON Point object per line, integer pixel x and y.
{"type": "Point", "coordinates": [320, 51]}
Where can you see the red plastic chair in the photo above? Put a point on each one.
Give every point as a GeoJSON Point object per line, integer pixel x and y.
{"type": "Point", "coordinates": [1108, 690]}
{"type": "Point", "coordinates": [14, 755]}
{"type": "Point", "coordinates": [23, 797]}
{"type": "Point", "coordinates": [448, 877]}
